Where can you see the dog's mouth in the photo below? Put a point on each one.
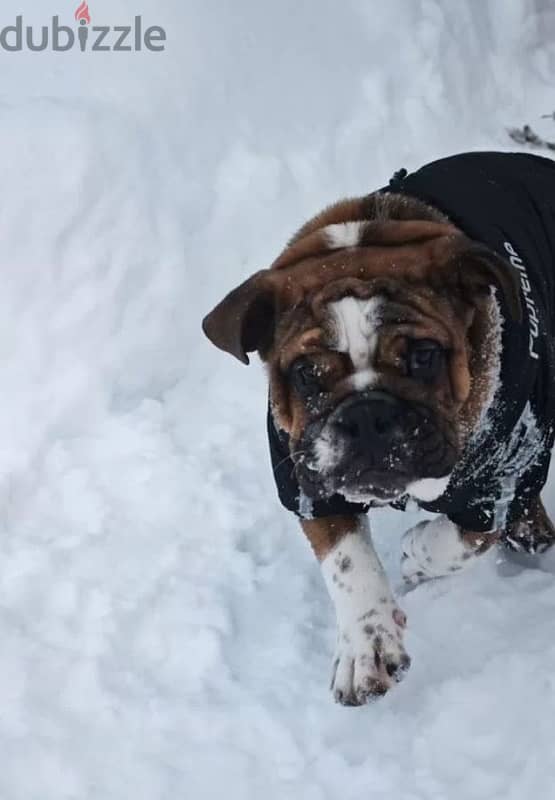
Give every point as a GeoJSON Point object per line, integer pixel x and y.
{"type": "Point", "coordinates": [380, 487]}
{"type": "Point", "coordinates": [373, 448]}
{"type": "Point", "coordinates": [366, 484]}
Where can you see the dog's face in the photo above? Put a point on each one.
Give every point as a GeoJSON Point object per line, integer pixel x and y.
{"type": "Point", "coordinates": [378, 341]}
{"type": "Point", "coordinates": [370, 386]}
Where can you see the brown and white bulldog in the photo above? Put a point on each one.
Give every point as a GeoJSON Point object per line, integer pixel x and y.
{"type": "Point", "coordinates": [379, 328]}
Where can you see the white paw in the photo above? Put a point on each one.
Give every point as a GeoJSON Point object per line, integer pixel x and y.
{"type": "Point", "coordinates": [370, 657]}
{"type": "Point", "coordinates": [433, 549]}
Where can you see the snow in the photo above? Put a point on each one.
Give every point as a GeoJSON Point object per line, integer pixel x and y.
{"type": "Point", "coordinates": [165, 629]}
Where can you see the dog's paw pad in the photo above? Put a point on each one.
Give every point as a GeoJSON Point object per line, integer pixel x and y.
{"type": "Point", "coordinates": [370, 661]}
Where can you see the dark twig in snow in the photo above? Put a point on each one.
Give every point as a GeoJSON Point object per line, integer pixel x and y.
{"type": "Point", "coordinates": [526, 135]}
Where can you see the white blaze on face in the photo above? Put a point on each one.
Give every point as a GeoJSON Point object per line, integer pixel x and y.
{"type": "Point", "coordinates": [354, 331]}
{"type": "Point", "coordinates": [355, 324]}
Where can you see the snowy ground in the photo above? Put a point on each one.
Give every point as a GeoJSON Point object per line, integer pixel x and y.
{"type": "Point", "coordinates": [165, 631]}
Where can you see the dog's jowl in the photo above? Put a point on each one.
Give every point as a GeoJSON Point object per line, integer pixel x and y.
{"type": "Point", "coordinates": [408, 337]}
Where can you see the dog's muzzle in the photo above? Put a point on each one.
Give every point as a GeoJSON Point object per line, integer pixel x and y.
{"type": "Point", "coordinates": [374, 444]}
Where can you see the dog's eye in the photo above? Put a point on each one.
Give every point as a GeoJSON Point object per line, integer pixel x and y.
{"type": "Point", "coordinates": [304, 376]}
{"type": "Point", "coordinates": [425, 359]}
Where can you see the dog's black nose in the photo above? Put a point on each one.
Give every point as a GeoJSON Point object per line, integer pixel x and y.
{"type": "Point", "coordinates": [369, 420]}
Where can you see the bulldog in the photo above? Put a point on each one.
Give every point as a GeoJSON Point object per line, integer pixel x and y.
{"type": "Point", "coordinates": [408, 336]}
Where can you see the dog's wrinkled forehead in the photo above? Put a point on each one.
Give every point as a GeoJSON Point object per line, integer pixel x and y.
{"type": "Point", "coordinates": [344, 252]}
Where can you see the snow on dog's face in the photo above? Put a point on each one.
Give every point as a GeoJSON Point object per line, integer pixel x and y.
{"type": "Point", "coordinates": [378, 341]}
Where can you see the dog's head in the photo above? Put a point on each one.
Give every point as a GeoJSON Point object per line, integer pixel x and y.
{"type": "Point", "coordinates": [379, 337]}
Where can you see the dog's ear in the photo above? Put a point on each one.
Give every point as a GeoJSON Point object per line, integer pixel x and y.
{"type": "Point", "coordinates": [477, 268]}
{"type": "Point", "coordinates": [244, 321]}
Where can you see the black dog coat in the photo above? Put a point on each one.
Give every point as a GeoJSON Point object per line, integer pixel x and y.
{"type": "Point", "coordinates": [507, 202]}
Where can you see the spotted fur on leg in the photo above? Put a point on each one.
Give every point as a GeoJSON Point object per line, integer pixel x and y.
{"type": "Point", "coordinates": [438, 547]}
{"type": "Point", "coordinates": [370, 658]}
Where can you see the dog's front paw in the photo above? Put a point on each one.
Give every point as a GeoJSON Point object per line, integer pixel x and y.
{"type": "Point", "coordinates": [370, 658]}
{"type": "Point", "coordinates": [432, 549]}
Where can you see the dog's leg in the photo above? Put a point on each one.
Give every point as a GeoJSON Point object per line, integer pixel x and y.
{"type": "Point", "coordinates": [370, 657]}
{"type": "Point", "coordinates": [439, 547]}
{"type": "Point", "coordinates": [533, 533]}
